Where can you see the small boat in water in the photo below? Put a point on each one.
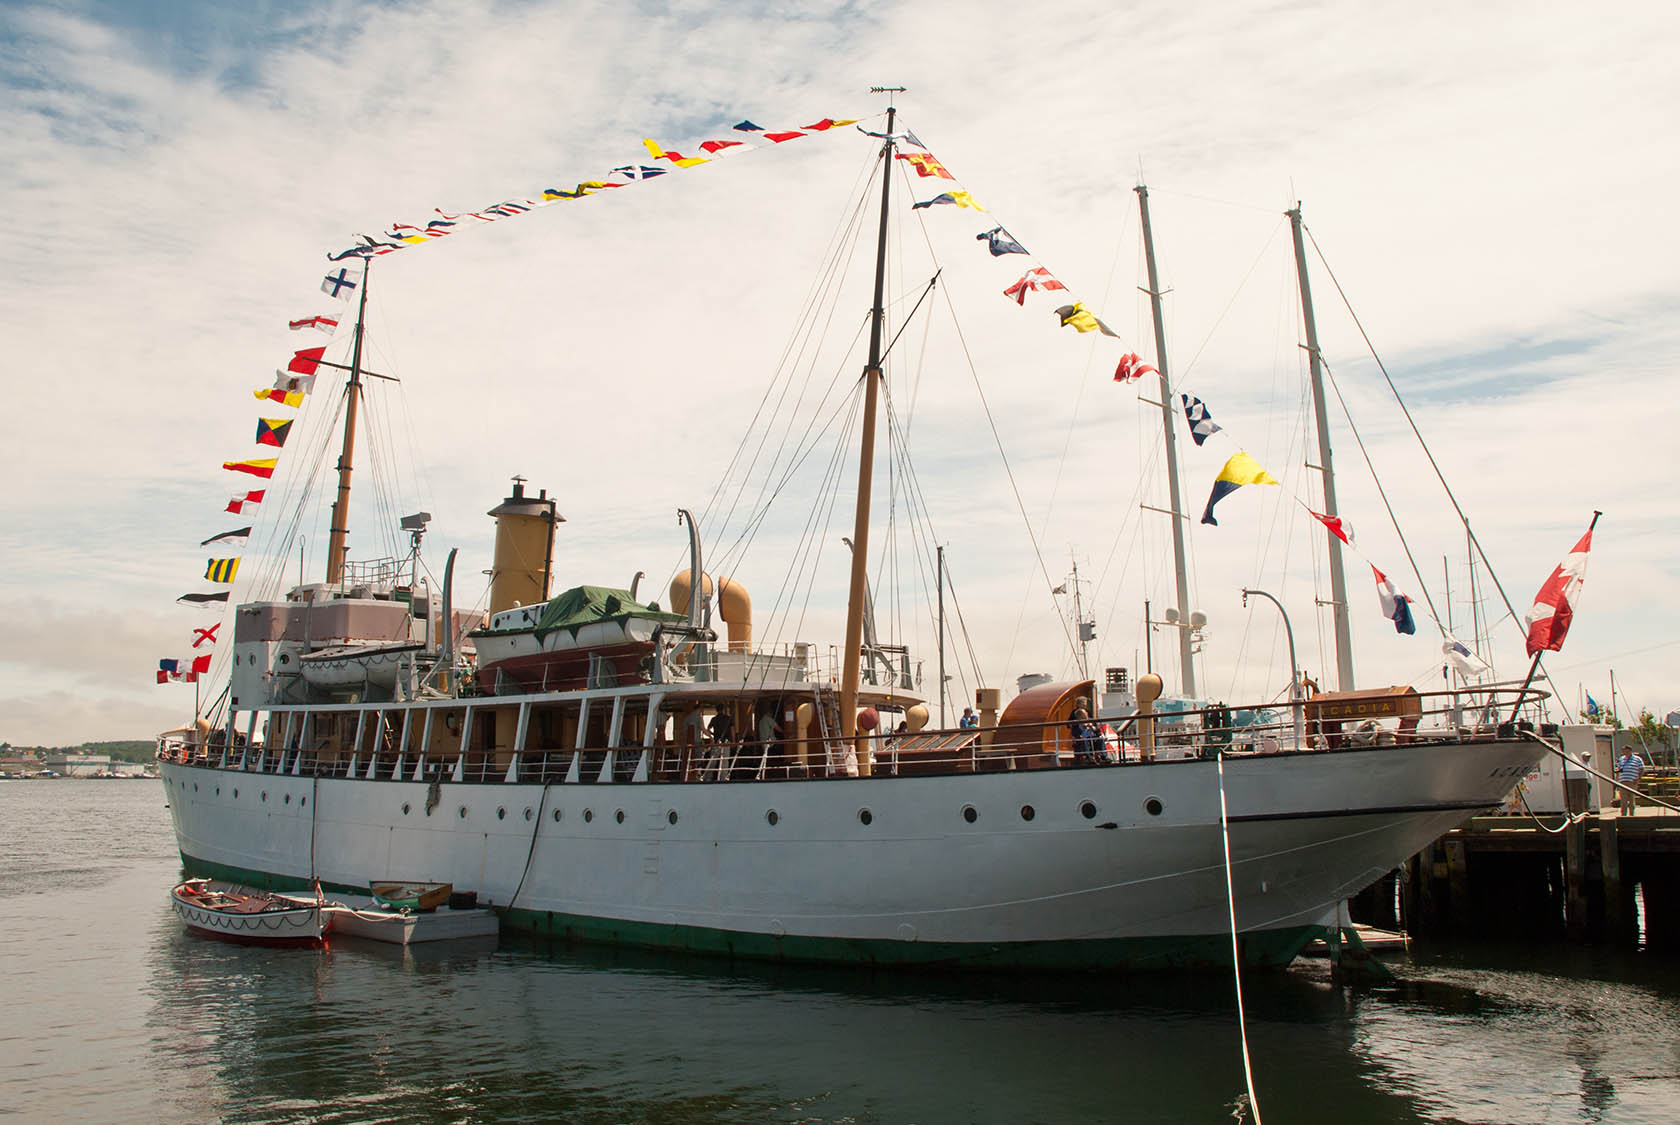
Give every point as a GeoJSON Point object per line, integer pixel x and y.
{"type": "Point", "coordinates": [235, 913]}
{"type": "Point", "coordinates": [411, 896]}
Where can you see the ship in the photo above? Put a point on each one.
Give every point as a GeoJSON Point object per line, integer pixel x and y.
{"type": "Point", "coordinates": [598, 767]}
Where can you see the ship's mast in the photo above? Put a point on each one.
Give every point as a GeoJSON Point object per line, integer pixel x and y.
{"type": "Point", "coordinates": [1186, 649]}
{"type": "Point", "coordinates": [1086, 629]}
{"type": "Point", "coordinates": [337, 548]}
{"type": "Point", "coordinates": [1338, 580]}
{"type": "Point", "coordinates": [866, 468]}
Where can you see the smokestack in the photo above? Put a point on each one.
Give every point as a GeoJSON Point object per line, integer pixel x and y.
{"type": "Point", "coordinates": [524, 557]}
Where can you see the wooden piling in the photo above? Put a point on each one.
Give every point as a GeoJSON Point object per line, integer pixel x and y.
{"type": "Point", "coordinates": [1460, 915]}
{"type": "Point", "coordinates": [1618, 901]}
{"type": "Point", "coordinates": [1575, 881]}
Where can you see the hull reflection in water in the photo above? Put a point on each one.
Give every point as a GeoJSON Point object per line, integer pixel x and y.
{"type": "Point", "coordinates": [541, 1033]}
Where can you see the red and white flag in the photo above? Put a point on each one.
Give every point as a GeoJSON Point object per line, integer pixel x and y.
{"type": "Point", "coordinates": [1034, 279]}
{"type": "Point", "coordinates": [325, 324]}
{"type": "Point", "coordinates": [254, 497]}
{"type": "Point", "coordinates": [1337, 526]}
{"type": "Point", "coordinates": [1131, 367]}
{"type": "Point", "coordinates": [1554, 606]}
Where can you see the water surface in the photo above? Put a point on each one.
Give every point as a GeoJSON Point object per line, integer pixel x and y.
{"type": "Point", "coordinates": [113, 1012]}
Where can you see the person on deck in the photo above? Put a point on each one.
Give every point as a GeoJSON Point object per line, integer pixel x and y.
{"type": "Point", "coordinates": [1087, 740]}
{"type": "Point", "coordinates": [770, 763]}
{"type": "Point", "coordinates": [969, 719]}
{"type": "Point", "coordinates": [721, 753]}
{"type": "Point", "coordinates": [1630, 767]}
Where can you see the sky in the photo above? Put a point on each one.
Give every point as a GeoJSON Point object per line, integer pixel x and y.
{"type": "Point", "coordinates": [1488, 186]}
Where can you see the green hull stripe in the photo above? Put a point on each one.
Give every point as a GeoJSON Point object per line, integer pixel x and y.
{"type": "Point", "coordinates": [1263, 948]}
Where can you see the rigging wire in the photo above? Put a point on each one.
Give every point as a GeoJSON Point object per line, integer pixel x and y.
{"type": "Point", "coordinates": [843, 240]}
{"type": "Point", "coordinates": [1381, 492]}
{"type": "Point", "coordinates": [997, 438]}
{"type": "Point", "coordinates": [1436, 468]}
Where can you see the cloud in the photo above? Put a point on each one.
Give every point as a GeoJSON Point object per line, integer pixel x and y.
{"type": "Point", "coordinates": [175, 182]}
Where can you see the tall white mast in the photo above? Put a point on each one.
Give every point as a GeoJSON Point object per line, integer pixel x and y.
{"type": "Point", "coordinates": [1186, 664]}
{"type": "Point", "coordinates": [1338, 580]}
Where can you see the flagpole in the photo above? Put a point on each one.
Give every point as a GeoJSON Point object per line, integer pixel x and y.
{"type": "Point", "coordinates": [1532, 668]}
{"type": "Point", "coordinates": [1528, 679]}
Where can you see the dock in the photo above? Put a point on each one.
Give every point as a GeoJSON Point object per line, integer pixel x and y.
{"type": "Point", "coordinates": [1590, 882]}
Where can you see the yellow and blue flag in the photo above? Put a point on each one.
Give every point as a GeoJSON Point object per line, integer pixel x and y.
{"type": "Point", "coordinates": [1241, 469]}
{"type": "Point", "coordinates": [221, 570]}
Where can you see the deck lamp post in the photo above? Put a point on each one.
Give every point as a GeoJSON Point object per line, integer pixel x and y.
{"type": "Point", "coordinates": [1294, 671]}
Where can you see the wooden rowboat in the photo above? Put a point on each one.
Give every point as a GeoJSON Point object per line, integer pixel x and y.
{"type": "Point", "coordinates": [231, 912]}
{"type": "Point", "coordinates": [411, 896]}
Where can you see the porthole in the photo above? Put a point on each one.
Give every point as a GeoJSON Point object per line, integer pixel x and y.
{"type": "Point", "coordinates": [1153, 806]}
{"type": "Point", "coordinates": [529, 814]}
{"type": "Point", "coordinates": [619, 816]}
{"type": "Point", "coordinates": [1087, 810]}
{"type": "Point", "coordinates": [303, 800]}
{"type": "Point", "coordinates": [265, 796]}
{"type": "Point", "coordinates": [236, 794]}
{"type": "Point", "coordinates": [405, 808]}
{"type": "Point", "coordinates": [671, 817]}
{"type": "Point", "coordinates": [557, 816]}
{"type": "Point", "coordinates": [195, 786]}
{"type": "Point", "coordinates": [865, 816]}
{"type": "Point", "coordinates": [288, 800]}
{"type": "Point", "coordinates": [773, 817]}
{"type": "Point", "coordinates": [970, 813]}
{"type": "Point", "coordinates": [218, 790]}
{"type": "Point", "coordinates": [501, 812]}
{"type": "Point", "coordinates": [461, 812]}
{"type": "Point", "coordinates": [1027, 812]}
{"type": "Point", "coordinates": [588, 815]}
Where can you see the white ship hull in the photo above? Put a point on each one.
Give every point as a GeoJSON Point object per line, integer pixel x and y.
{"type": "Point", "coordinates": [700, 865]}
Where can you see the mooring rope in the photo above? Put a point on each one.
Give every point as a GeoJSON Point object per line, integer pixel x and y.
{"type": "Point", "coordinates": [1558, 750]}
{"type": "Point", "coordinates": [542, 803]}
{"type": "Point", "coordinates": [1236, 955]}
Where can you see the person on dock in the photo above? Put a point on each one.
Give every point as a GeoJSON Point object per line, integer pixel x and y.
{"type": "Point", "coordinates": [1630, 767]}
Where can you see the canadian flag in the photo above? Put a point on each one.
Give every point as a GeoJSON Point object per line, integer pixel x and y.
{"type": "Point", "coordinates": [1554, 606]}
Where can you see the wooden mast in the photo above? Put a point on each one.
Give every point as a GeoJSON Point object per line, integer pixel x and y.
{"type": "Point", "coordinates": [337, 548]}
{"type": "Point", "coordinates": [866, 472]}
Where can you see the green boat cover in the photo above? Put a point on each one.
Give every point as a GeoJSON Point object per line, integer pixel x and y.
{"type": "Point", "coordinates": [587, 605]}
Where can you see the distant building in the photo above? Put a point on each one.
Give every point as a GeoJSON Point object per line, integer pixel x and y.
{"type": "Point", "coordinates": [78, 765]}
{"type": "Point", "coordinates": [18, 767]}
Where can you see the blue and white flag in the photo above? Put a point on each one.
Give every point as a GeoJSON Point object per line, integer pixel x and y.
{"type": "Point", "coordinates": [639, 172]}
{"type": "Point", "coordinates": [1395, 605]}
{"type": "Point", "coordinates": [339, 284]}
{"type": "Point", "coordinates": [999, 243]}
{"type": "Point", "coordinates": [1202, 425]}
{"type": "Point", "coordinates": [1463, 658]}
{"type": "Point", "coordinates": [1592, 707]}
